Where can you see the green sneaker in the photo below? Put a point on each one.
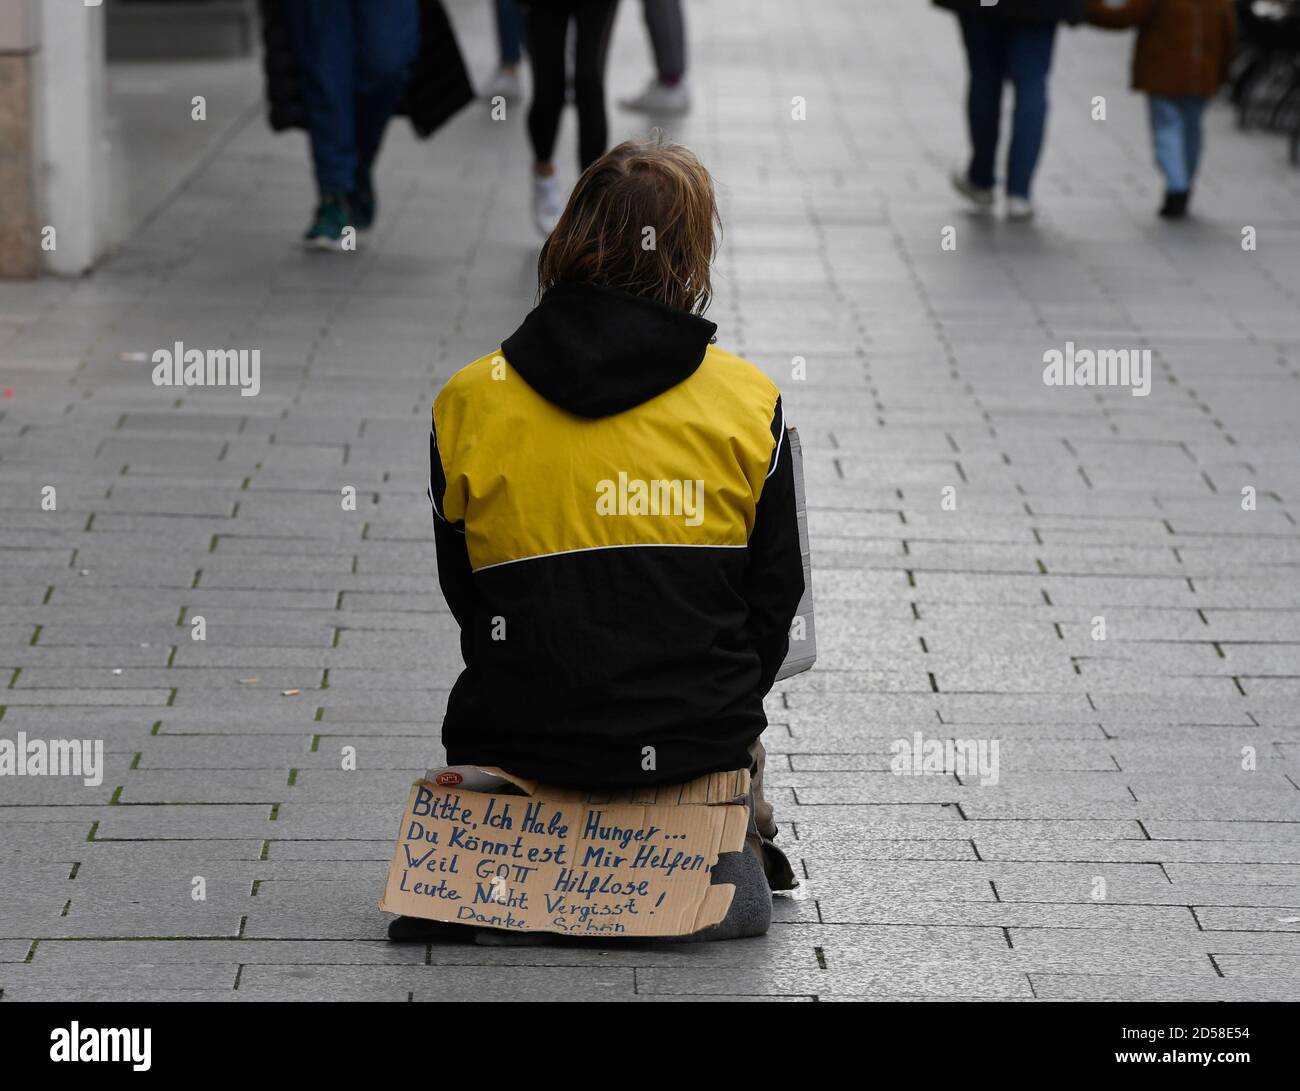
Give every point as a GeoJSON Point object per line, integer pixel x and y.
{"type": "Point", "coordinates": [332, 216]}
{"type": "Point", "coordinates": [363, 201]}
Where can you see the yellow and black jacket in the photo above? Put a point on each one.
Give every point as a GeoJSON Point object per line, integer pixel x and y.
{"type": "Point", "coordinates": [614, 516]}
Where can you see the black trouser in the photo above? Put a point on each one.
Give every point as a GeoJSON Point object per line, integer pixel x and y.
{"type": "Point", "coordinates": [547, 29]}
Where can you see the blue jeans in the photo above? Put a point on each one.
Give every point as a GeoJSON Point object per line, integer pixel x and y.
{"type": "Point", "coordinates": [354, 58]}
{"type": "Point", "coordinates": [510, 31]}
{"type": "Point", "coordinates": [1176, 135]}
{"type": "Point", "coordinates": [998, 50]}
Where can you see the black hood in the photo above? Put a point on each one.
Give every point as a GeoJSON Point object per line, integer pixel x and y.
{"type": "Point", "coordinates": [597, 351]}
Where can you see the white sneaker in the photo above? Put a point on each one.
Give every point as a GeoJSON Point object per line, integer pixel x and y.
{"type": "Point", "coordinates": [505, 83]}
{"type": "Point", "coordinates": [547, 203]}
{"type": "Point", "coordinates": [661, 98]}
{"type": "Point", "coordinates": [977, 195]}
{"type": "Point", "coordinates": [1019, 209]}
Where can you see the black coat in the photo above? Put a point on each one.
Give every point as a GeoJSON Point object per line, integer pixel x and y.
{"type": "Point", "coordinates": [439, 86]}
{"type": "Point", "coordinates": [1025, 11]}
{"type": "Point", "coordinates": [626, 632]}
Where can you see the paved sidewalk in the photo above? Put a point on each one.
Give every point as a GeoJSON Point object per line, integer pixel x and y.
{"type": "Point", "coordinates": [1124, 852]}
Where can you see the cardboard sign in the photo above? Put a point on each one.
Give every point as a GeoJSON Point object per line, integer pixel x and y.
{"type": "Point", "coordinates": [803, 633]}
{"type": "Point", "coordinates": [478, 846]}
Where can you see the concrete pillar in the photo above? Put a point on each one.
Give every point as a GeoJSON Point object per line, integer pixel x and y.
{"type": "Point", "coordinates": [20, 254]}
{"type": "Point", "coordinates": [71, 176]}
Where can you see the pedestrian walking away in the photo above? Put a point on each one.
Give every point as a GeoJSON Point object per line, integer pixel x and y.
{"type": "Point", "coordinates": [506, 82]}
{"type": "Point", "coordinates": [1011, 41]}
{"type": "Point", "coordinates": [342, 69]}
{"type": "Point", "coordinates": [1180, 60]}
{"type": "Point", "coordinates": [547, 25]}
{"type": "Point", "coordinates": [668, 92]}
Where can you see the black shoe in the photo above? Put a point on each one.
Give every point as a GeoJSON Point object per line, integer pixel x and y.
{"type": "Point", "coordinates": [363, 201]}
{"type": "Point", "coordinates": [776, 865]}
{"type": "Point", "coordinates": [1175, 206]}
{"type": "Point", "coordinates": [419, 930]}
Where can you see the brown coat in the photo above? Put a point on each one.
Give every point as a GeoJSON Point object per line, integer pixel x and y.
{"type": "Point", "coordinates": [1184, 47]}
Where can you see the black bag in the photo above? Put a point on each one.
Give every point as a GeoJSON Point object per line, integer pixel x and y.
{"type": "Point", "coordinates": [438, 89]}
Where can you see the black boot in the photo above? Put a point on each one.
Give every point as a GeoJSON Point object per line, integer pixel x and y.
{"type": "Point", "coordinates": [362, 199]}
{"type": "Point", "coordinates": [1175, 206]}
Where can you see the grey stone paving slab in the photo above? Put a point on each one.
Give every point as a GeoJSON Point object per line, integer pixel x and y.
{"type": "Point", "coordinates": [1152, 958]}
{"type": "Point", "coordinates": [453, 983]}
{"type": "Point", "coordinates": [846, 907]}
{"type": "Point", "coordinates": [936, 979]}
{"type": "Point", "coordinates": [847, 823]}
{"type": "Point", "coordinates": [673, 998]}
{"type": "Point", "coordinates": [185, 822]}
{"type": "Point", "coordinates": [1252, 858]}
{"type": "Point", "coordinates": [79, 993]}
{"type": "Point", "coordinates": [116, 922]}
{"type": "Point", "coordinates": [65, 954]}
{"type": "Point", "coordinates": [85, 698]}
{"type": "Point", "coordinates": [1254, 874]}
{"type": "Point", "coordinates": [282, 848]}
{"type": "Point", "coordinates": [1281, 830]}
{"type": "Point", "coordinates": [244, 786]}
{"type": "Point", "coordinates": [1050, 943]}
{"type": "Point", "coordinates": [1257, 966]}
{"type": "Point", "coordinates": [1271, 917]}
{"type": "Point", "coordinates": [134, 977]}
{"type": "Point", "coordinates": [145, 855]}
{"type": "Point", "coordinates": [853, 854]}
{"type": "Point", "coordinates": [1166, 986]}
{"type": "Point", "coordinates": [14, 950]}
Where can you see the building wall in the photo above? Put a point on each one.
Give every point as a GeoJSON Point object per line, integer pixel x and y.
{"type": "Point", "coordinates": [51, 136]}
{"type": "Point", "coordinates": [20, 254]}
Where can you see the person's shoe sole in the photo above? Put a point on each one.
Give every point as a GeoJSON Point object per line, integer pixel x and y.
{"type": "Point", "coordinates": [1176, 206]}
{"type": "Point", "coordinates": [419, 930]}
{"type": "Point", "coordinates": [980, 198]}
{"type": "Point", "coordinates": [321, 244]}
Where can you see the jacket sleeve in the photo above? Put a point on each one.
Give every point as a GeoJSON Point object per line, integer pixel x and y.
{"type": "Point", "coordinates": [1120, 14]}
{"type": "Point", "coordinates": [774, 576]}
{"type": "Point", "coordinates": [454, 573]}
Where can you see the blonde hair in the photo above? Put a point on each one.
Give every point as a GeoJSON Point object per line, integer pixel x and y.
{"type": "Point", "coordinates": [601, 237]}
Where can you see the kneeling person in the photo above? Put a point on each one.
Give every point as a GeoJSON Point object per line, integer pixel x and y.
{"type": "Point", "coordinates": [614, 515]}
